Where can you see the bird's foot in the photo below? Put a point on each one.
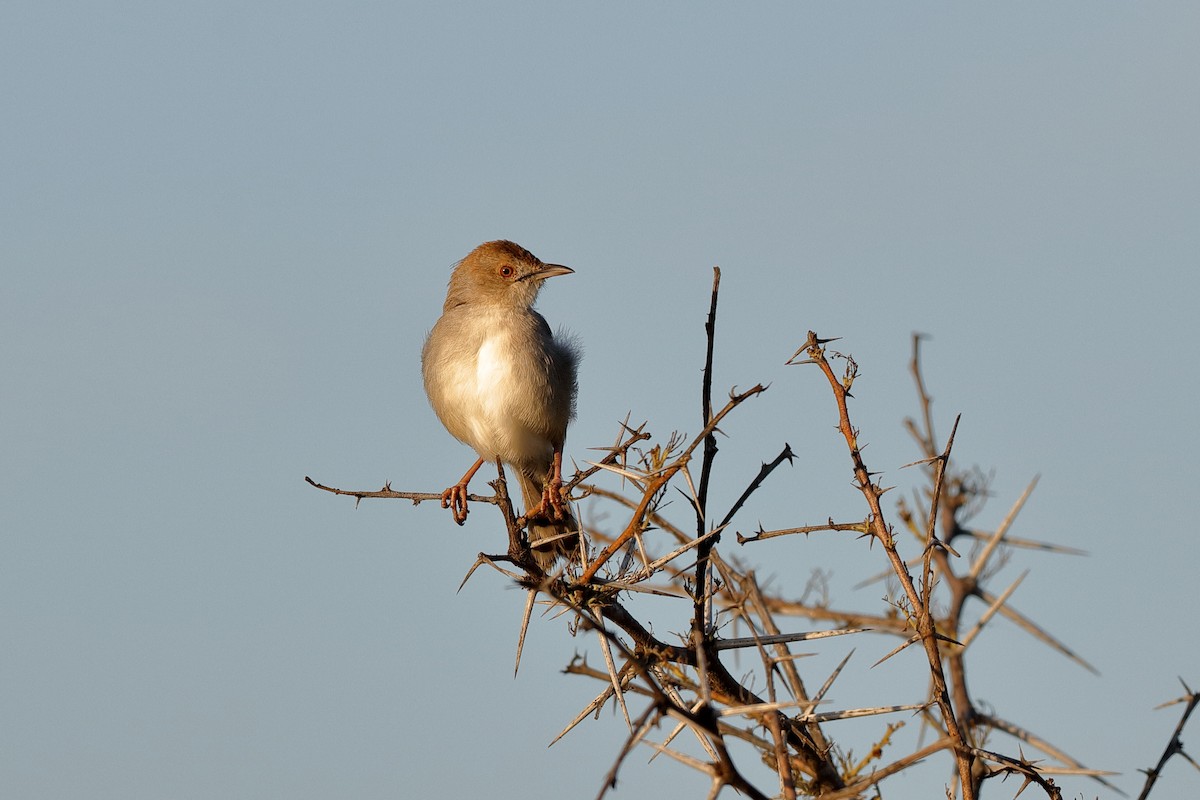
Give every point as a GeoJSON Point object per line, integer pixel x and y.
{"type": "Point", "coordinates": [551, 506]}
{"type": "Point", "coordinates": [455, 499]}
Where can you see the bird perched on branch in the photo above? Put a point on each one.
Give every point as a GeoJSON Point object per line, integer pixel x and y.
{"type": "Point", "coordinates": [501, 382]}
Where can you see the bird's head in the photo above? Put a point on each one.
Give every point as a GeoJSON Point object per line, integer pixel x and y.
{"type": "Point", "coordinates": [500, 273]}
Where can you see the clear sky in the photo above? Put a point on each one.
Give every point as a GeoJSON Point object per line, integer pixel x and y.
{"type": "Point", "coordinates": [226, 228]}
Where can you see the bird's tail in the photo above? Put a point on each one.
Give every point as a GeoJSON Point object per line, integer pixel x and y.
{"type": "Point", "coordinates": [547, 552]}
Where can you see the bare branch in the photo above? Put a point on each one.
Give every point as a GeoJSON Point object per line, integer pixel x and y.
{"type": "Point", "coordinates": [1175, 744]}
{"type": "Point", "coordinates": [390, 494]}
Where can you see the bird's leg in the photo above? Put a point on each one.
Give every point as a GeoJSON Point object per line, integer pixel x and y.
{"type": "Point", "coordinates": [552, 496]}
{"type": "Point", "coordinates": [455, 498]}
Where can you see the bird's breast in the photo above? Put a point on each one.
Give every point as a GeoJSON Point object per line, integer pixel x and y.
{"type": "Point", "coordinates": [492, 382]}
{"type": "Point", "coordinates": [505, 402]}
{"type": "Point", "coordinates": [496, 372]}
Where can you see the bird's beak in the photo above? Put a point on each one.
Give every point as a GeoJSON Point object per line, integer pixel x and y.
{"type": "Point", "coordinates": [548, 271]}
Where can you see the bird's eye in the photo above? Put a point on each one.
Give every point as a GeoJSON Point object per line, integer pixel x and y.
{"type": "Point", "coordinates": [506, 271]}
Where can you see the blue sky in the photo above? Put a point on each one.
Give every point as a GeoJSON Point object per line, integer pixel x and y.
{"type": "Point", "coordinates": [226, 228]}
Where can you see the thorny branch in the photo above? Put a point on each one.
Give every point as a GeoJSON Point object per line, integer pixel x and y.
{"type": "Point", "coordinates": [926, 626]}
{"type": "Point", "coordinates": [685, 680]}
{"type": "Point", "coordinates": [1175, 745]}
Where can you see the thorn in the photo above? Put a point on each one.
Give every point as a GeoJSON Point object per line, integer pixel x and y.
{"type": "Point", "coordinates": [524, 629]}
{"type": "Point", "coordinates": [480, 560]}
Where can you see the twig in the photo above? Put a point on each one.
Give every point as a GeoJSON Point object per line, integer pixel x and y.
{"type": "Point", "coordinates": [661, 480]}
{"type": "Point", "coordinates": [387, 492]}
{"type": "Point", "coordinates": [701, 621]}
{"type": "Point", "coordinates": [852, 527]}
{"type": "Point", "coordinates": [1175, 744]}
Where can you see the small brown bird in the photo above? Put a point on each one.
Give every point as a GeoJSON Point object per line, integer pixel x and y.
{"type": "Point", "coordinates": [501, 382]}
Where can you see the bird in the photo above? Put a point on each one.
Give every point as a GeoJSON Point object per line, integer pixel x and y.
{"type": "Point", "coordinates": [503, 383]}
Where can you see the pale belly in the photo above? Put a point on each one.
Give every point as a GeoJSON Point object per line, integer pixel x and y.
{"type": "Point", "coordinates": [496, 404]}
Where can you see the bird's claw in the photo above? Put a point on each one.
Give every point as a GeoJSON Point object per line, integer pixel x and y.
{"type": "Point", "coordinates": [455, 499]}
